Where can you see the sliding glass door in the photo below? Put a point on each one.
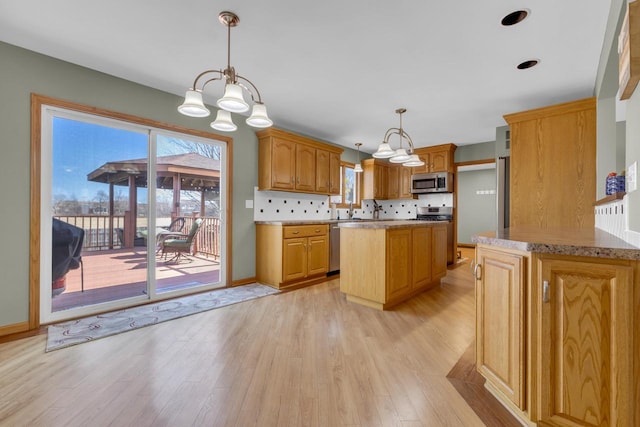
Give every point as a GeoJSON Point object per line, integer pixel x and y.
{"type": "Point", "coordinates": [111, 236]}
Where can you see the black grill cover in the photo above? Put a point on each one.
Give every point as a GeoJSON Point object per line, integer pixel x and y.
{"type": "Point", "coordinates": [66, 247]}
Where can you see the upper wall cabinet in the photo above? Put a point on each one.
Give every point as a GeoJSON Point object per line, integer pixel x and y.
{"type": "Point", "coordinates": [384, 180]}
{"type": "Point", "coordinates": [553, 166]}
{"type": "Point", "coordinates": [289, 162]}
{"type": "Point", "coordinates": [438, 158]}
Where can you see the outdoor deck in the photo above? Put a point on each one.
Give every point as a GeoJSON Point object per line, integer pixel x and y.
{"type": "Point", "coordinates": [121, 273]}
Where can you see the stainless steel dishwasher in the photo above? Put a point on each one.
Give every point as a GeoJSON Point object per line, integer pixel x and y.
{"type": "Point", "coordinates": [334, 248]}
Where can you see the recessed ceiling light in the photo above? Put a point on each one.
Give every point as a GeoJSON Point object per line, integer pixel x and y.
{"type": "Point", "coordinates": [528, 64]}
{"type": "Point", "coordinates": [514, 17]}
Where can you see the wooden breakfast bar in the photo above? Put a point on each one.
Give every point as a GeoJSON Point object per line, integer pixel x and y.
{"type": "Point", "coordinates": [383, 263]}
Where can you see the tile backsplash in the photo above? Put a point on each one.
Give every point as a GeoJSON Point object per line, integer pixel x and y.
{"type": "Point", "coordinates": [282, 206]}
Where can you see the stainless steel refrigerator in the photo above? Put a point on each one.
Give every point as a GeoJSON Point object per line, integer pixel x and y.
{"type": "Point", "coordinates": [502, 190]}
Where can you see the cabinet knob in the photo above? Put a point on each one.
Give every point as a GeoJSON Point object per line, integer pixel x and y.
{"type": "Point", "coordinates": [545, 291]}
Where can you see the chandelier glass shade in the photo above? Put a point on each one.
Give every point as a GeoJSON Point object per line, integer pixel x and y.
{"type": "Point", "coordinates": [358, 167]}
{"type": "Point", "coordinates": [399, 155]}
{"type": "Point", "coordinates": [233, 99]}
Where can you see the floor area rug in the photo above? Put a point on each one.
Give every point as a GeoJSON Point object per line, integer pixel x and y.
{"type": "Point", "coordinates": [103, 325]}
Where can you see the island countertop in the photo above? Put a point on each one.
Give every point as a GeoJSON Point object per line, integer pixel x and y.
{"type": "Point", "coordinates": [354, 223]}
{"type": "Point", "coordinates": [578, 242]}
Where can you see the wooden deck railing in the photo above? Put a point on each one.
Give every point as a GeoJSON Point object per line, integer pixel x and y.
{"type": "Point", "coordinates": [100, 234]}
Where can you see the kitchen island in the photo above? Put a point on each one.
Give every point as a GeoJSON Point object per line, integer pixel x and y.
{"type": "Point", "coordinates": [383, 263]}
{"type": "Point", "coordinates": [558, 325]}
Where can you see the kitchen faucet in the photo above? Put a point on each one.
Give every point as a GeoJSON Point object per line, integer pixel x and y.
{"type": "Point", "coordinates": [350, 210]}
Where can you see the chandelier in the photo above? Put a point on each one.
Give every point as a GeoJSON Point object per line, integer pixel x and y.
{"type": "Point", "coordinates": [399, 155]}
{"type": "Point", "coordinates": [233, 100]}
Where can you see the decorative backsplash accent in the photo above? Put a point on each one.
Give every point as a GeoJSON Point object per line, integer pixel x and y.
{"type": "Point", "coordinates": [285, 206]}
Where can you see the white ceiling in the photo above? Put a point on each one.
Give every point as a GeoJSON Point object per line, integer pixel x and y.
{"type": "Point", "coordinates": [337, 70]}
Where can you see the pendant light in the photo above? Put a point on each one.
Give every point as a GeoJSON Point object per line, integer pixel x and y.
{"type": "Point", "coordinates": [358, 167]}
{"type": "Point", "coordinates": [398, 155]}
{"type": "Point", "coordinates": [233, 99]}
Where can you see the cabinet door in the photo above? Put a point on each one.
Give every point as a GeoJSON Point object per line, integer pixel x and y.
{"type": "Point", "coordinates": [318, 257]}
{"type": "Point", "coordinates": [586, 330]}
{"type": "Point", "coordinates": [283, 163]}
{"type": "Point", "coordinates": [334, 173]}
{"type": "Point", "coordinates": [294, 259]}
{"type": "Point", "coordinates": [398, 275]}
{"type": "Point", "coordinates": [393, 182]}
{"type": "Point", "coordinates": [439, 252]}
{"type": "Point", "coordinates": [305, 168]}
{"type": "Point", "coordinates": [380, 182]}
{"type": "Point", "coordinates": [440, 161]}
{"type": "Point", "coordinates": [421, 268]}
{"type": "Point", "coordinates": [323, 168]}
{"type": "Point", "coordinates": [405, 183]}
{"type": "Point", "coordinates": [500, 290]}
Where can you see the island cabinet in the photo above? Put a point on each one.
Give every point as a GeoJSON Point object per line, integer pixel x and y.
{"type": "Point", "coordinates": [289, 162]}
{"type": "Point", "coordinates": [382, 265]}
{"type": "Point", "coordinates": [290, 256]}
{"type": "Point", "coordinates": [437, 158]}
{"type": "Point", "coordinates": [500, 326]}
{"type": "Point", "coordinates": [558, 336]}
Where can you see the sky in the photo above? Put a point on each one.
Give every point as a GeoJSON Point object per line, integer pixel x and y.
{"type": "Point", "coordinates": [79, 148]}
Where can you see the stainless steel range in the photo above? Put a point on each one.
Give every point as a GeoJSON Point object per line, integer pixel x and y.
{"type": "Point", "coordinates": [444, 214]}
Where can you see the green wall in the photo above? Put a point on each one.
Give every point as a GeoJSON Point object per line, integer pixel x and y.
{"type": "Point", "coordinates": [477, 213]}
{"type": "Point", "coordinates": [481, 151]}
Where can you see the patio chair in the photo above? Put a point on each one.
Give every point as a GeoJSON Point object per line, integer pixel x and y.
{"type": "Point", "coordinates": [176, 225]}
{"type": "Point", "coordinates": [180, 246]}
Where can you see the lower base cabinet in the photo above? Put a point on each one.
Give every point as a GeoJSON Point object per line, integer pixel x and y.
{"type": "Point", "coordinates": [558, 337]}
{"type": "Point", "coordinates": [291, 256]}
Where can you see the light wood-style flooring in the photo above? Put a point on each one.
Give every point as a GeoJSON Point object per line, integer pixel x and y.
{"type": "Point", "coordinates": [300, 358]}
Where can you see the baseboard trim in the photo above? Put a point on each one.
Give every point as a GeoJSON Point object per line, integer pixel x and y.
{"type": "Point", "coordinates": [241, 282]}
{"type": "Point", "coordinates": [467, 245]}
{"type": "Point", "coordinates": [14, 328]}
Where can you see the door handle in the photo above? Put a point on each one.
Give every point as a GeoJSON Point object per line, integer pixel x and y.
{"type": "Point", "coordinates": [472, 265]}
{"type": "Point", "coordinates": [545, 291]}
{"type": "Point", "coordinates": [477, 269]}
{"type": "Point", "coordinates": [295, 232]}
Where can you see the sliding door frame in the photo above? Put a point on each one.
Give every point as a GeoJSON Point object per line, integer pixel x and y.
{"type": "Point", "coordinates": [35, 238]}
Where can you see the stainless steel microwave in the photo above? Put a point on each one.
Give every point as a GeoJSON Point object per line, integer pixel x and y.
{"type": "Point", "coordinates": [423, 183]}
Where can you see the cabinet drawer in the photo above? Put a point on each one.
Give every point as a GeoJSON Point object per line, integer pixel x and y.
{"type": "Point", "coordinates": [305, 230]}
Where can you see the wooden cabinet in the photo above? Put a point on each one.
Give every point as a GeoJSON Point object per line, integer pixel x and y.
{"type": "Point", "coordinates": [290, 162]}
{"type": "Point", "coordinates": [500, 333]}
{"type": "Point", "coordinates": [305, 168]}
{"type": "Point", "coordinates": [382, 267]}
{"type": "Point", "coordinates": [374, 179]}
{"type": "Point", "coordinates": [557, 336]}
{"type": "Point", "coordinates": [405, 183]}
{"type": "Point", "coordinates": [553, 166]}
{"type": "Point", "coordinates": [584, 313]}
{"type": "Point", "coordinates": [437, 158]}
{"type": "Point", "coordinates": [383, 180]}
{"type": "Point", "coordinates": [288, 256]}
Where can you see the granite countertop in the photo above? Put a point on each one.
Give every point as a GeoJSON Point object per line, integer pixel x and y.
{"type": "Point", "coordinates": [578, 242]}
{"type": "Point", "coordinates": [355, 223]}
{"type": "Point", "coordinates": [385, 224]}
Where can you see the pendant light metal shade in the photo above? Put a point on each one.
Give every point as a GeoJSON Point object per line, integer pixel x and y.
{"type": "Point", "coordinates": [259, 118]}
{"type": "Point", "coordinates": [193, 106]}
{"type": "Point", "coordinates": [233, 100]}
{"type": "Point", "coordinates": [223, 122]}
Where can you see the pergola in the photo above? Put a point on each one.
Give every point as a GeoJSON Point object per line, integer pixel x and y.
{"type": "Point", "coordinates": [190, 172]}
